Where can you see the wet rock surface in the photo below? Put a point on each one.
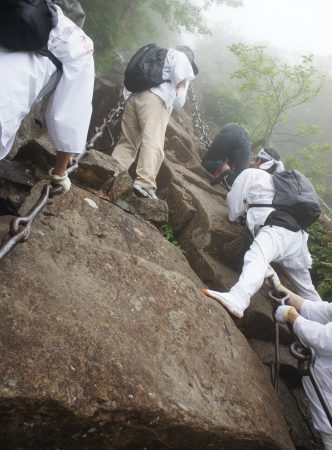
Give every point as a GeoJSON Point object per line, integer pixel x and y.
{"type": "Point", "coordinates": [106, 341]}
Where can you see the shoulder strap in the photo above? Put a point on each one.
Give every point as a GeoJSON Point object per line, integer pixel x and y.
{"type": "Point", "coordinates": [46, 52]}
{"type": "Point", "coordinates": [262, 205]}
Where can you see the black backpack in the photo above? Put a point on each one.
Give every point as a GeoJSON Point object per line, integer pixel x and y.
{"type": "Point", "coordinates": [25, 25]}
{"type": "Point", "coordinates": [145, 68]}
{"type": "Point", "coordinates": [296, 196]}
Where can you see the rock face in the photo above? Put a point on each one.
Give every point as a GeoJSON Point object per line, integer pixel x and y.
{"type": "Point", "coordinates": [105, 340]}
{"type": "Point", "coordinates": [106, 343]}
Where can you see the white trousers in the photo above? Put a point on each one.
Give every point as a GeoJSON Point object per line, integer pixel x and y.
{"type": "Point", "coordinates": [282, 246]}
{"type": "Point", "coordinates": [327, 440]}
{"type": "Point", "coordinates": [24, 76]}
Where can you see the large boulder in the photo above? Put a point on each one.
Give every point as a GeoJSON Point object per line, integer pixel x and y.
{"type": "Point", "coordinates": [106, 343]}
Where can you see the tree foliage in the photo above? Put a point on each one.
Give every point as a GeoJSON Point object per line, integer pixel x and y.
{"type": "Point", "coordinates": [117, 25]}
{"type": "Point", "coordinates": [271, 88]}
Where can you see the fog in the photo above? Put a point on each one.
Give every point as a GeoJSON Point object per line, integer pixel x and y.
{"type": "Point", "coordinates": [292, 25]}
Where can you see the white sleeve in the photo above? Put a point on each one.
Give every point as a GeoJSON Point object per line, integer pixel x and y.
{"type": "Point", "coordinates": [315, 335]}
{"type": "Point", "coordinates": [236, 197]}
{"type": "Point", "coordinates": [320, 312]}
{"type": "Point", "coordinates": [181, 69]}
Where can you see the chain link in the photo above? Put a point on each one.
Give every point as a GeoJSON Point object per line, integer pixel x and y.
{"type": "Point", "coordinates": [108, 123]}
{"type": "Point", "coordinates": [201, 129]}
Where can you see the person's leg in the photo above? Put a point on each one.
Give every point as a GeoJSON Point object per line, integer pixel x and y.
{"type": "Point", "coordinates": [126, 149]}
{"type": "Point", "coordinates": [240, 157]}
{"type": "Point", "coordinates": [69, 109]}
{"type": "Point", "coordinates": [266, 247]}
{"type": "Point", "coordinates": [302, 282]}
{"type": "Point", "coordinates": [297, 268]}
{"type": "Point", "coordinates": [327, 440]}
{"type": "Point", "coordinates": [217, 151]}
{"type": "Point", "coordinates": [153, 119]}
{"type": "Point", "coordinates": [23, 76]}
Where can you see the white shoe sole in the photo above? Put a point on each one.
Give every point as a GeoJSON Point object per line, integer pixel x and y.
{"type": "Point", "coordinates": [226, 304]}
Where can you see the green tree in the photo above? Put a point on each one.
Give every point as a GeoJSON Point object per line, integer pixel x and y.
{"type": "Point", "coordinates": [117, 25]}
{"type": "Point", "coordinates": [271, 88]}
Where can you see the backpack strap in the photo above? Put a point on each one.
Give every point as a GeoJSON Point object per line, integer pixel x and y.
{"type": "Point", "coordinates": [46, 52]}
{"type": "Point", "coordinates": [261, 205]}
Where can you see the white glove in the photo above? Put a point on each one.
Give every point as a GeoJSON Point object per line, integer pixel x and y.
{"type": "Point", "coordinates": [64, 181]}
{"type": "Point", "coordinates": [282, 313]}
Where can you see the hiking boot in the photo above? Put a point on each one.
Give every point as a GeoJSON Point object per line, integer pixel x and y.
{"type": "Point", "coordinates": [228, 301]}
{"type": "Point", "coordinates": [141, 191]}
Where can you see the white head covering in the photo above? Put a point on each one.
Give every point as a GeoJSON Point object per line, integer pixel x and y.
{"type": "Point", "coordinates": [270, 161]}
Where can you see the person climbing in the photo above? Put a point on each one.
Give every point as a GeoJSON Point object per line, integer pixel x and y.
{"type": "Point", "coordinates": [277, 236]}
{"type": "Point", "coordinates": [26, 76]}
{"type": "Point", "coordinates": [312, 323]}
{"type": "Point", "coordinates": [231, 145]}
{"type": "Point", "coordinates": [147, 112]}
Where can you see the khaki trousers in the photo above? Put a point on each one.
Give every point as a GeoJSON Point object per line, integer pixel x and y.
{"type": "Point", "coordinates": [143, 128]}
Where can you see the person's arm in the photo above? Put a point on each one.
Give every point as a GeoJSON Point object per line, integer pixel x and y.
{"type": "Point", "coordinates": [320, 312]}
{"type": "Point", "coordinates": [314, 334]}
{"type": "Point", "coordinates": [236, 197]}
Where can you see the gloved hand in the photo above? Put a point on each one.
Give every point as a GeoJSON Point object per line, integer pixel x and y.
{"type": "Point", "coordinates": [282, 313]}
{"type": "Point", "coordinates": [64, 181]}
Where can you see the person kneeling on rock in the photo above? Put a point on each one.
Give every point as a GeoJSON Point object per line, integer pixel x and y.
{"type": "Point", "coordinates": [277, 237]}
{"type": "Point", "coordinates": [312, 323]}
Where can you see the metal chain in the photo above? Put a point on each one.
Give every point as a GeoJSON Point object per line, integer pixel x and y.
{"type": "Point", "coordinates": [108, 123]}
{"type": "Point", "coordinates": [20, 227]}
{"type": "Point", "coordinates": [201, 129]}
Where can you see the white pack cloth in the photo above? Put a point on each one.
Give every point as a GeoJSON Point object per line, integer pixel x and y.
{"type": "Point", "coordinates": [177, 68]}
{"type": "Point", "coordinates": [25, 76]}
{"type": "Point", "coordinates": [314, 329]}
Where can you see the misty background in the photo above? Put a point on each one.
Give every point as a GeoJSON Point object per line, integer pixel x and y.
{"type": "Point", "coordinates": [265, 64]}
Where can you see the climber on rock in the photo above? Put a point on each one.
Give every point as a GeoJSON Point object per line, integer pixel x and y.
{"type": "Point", "coordinates": [277, 235]}
{"type": "Point", "coordinates": [149, 103]}
{"type": "Point", "coordinates": [65, 73]}
{"type": "Point", "coordinates": [232, 146]}
{"type": "Point", "coordinates": [312, 323]}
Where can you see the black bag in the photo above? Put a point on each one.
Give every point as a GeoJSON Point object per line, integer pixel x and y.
{"type": "Point", "coordinates": [145, 68]}
{"type": "Point", "coordinates": [296, 196]}
{"type": "Point", "coordinates": [25, 25]}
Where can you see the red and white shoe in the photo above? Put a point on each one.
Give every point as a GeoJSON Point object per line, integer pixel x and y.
{"type": "Point", "coordinates": [227, 300]}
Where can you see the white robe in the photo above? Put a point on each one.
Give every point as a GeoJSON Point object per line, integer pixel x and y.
{"type": "Point", "coordinates": [274, 243]}
{"type": "Point", "coordinates": [25, 76]}
{"type": "Point", "coordinates": [314, 329]}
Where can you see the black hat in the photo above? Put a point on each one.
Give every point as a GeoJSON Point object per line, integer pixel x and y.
{"type": "Point", "coordinates": [190, 55]}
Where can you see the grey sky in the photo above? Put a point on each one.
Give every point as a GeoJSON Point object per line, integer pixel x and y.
{"type": "Point", "coordinates": [300, 25]}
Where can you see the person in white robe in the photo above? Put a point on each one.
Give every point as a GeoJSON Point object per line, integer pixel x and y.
{"type": "Point", "coordinates": [276, 238]}
{"type": "Point", "coordinates": [312, 323]}
{"type": "Point", "coordinates": [25, 77]}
